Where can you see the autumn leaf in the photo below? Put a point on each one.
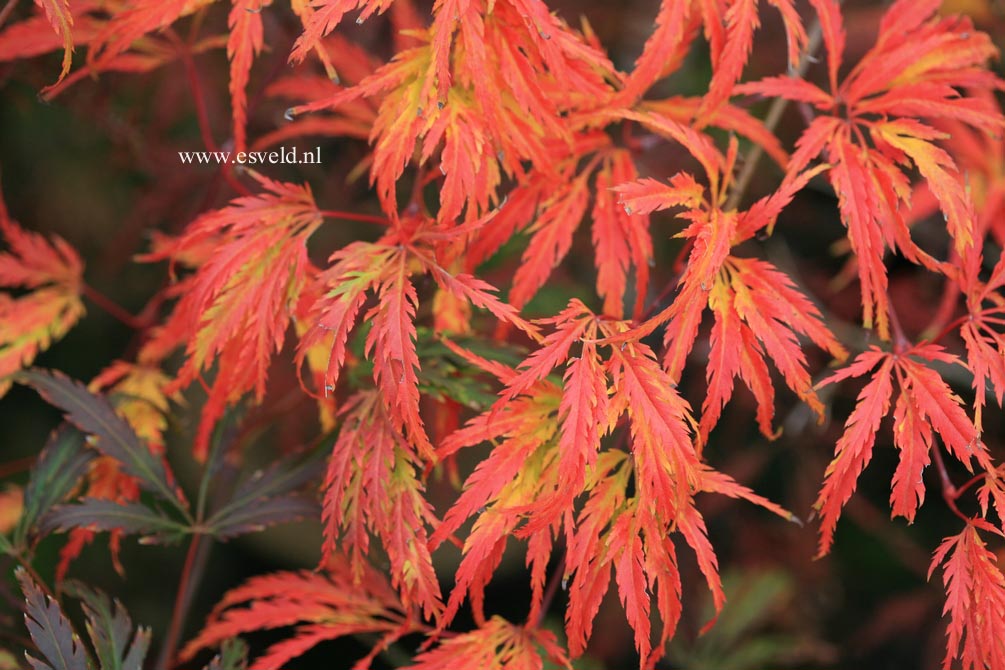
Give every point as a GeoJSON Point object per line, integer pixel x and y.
{"type": "Point", "coordinates": [925, 407]}
{"type": "Point", "coordinates": [975, 596]}
{"type": "Point", "coordinates": [244, 43]}
{"type": "Point", "coordinates": [889, 95]}
{"type": "Point", "coordinates": [61, 19]}
{"type": "Point", "coordinates": [50, 630]}
{"type": "Point", "coordinates": [49, 274]}
{"type": "Point", "coordinates": [372, 486]}
{"type": "Point", "coordinates": [494, 645]}
{"type": "Point", "coordinates": [238, 306]}
{"type": "Point", "coordinates": [318, 606]}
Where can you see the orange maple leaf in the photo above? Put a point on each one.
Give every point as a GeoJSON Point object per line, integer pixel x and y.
{"type": "Point", "coordinates": [52, 273]}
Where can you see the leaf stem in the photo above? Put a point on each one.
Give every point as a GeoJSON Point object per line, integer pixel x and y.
{"type": "Point", "coordinates": [185, 584]}
{"type": "Point", "coordinates": [202, 115]}
{"type": "Point", "coordinates": [947, 304]}
{"type": "Point", "coordinates": [949, 491]}
{"type": "Point", "coordinates": [15, 466]}
{"type": "Point", "coordinates": [556, 578]}
{"type": "Point", "coordinates": [351, 216]}
{"type": "Point", "coordinates": [111, 307]}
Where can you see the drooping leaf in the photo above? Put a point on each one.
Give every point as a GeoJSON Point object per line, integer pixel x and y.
{"type": "Point", "coordinates": [50, 630]}
{"type": "Point", "coordinates": [117, 645]}
{"type": "Point", "coordinates": [266, 498]}
{"type": "Point", "coordinates": [114, 438]}
{"type": "Point", "coordinates": [51, 271]}
{"type": "Point", "coordinates": [902, 80]}
{"type": "Point", "coordinates": [319, 606]}
{"type": "Point", "coordinates": [238, 306]}
{"type": "Point", "coordinates": [975, 599]}
{"type": "Point", "coordinates": [495, 645]}
{"type": "Point", "coordinates": [110, 515]}
{"type": "Point", "coordinates": [56, 474]}
{"type": "Point", "coordinates": [372, 487]}
{"type": "Point", "coordinates": [244, 43]}
{"type": "Point", "coordinates": [926, 407]}
{"type": "Point", "coordinates": [61, 19]}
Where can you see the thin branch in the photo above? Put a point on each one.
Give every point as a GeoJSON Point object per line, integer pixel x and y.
{"type": "Point", "coordinates": [771, 121]}
{"type": "Point", "coordinates": [112, 308]}
{"type": "Point", "coordinates": [167, 654]}
{"type": "Point", "coordinates": [949, 491]}
{"type": "Point", "coordinates": [556, 577]}
{"type": "Point", "coordinates": [351, 216]}
{"type": "Point", "coordinates": [7, 9]}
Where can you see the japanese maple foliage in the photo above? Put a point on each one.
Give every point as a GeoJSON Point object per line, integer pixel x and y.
{"type": "Point", "coordinates": [466, 401]}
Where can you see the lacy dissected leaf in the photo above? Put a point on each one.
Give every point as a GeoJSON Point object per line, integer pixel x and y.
{"type": "Point", "coordinates": [915, 72]}
{"type": "Point", "coordinates": [238, 307]}
{"type": "Point", "coordinates": [517, 478]}
{"type": "Point", "coordinates": [621, 239]}
{"type": "Point", "coordinates": [51, 272]}
{"type": "Point", "coordinates": [975, 599]}
{"type": "Point", "coordinates": [61, 19]}
{"type": "Point", "coordinates": [117, 646]}
{"type": "Point", "coordinates": [50, 630]}
{"type": "Point", "coordinates": [666, 464]}
{"type": "Point", "coordinates": [759, 315]}
{"type": "Point", "coordinates": [372, 488]}
{"type": "Point", "coordinates": [323, 16]}
{"type": "Point", "coordinates": [854, 449]}
{"type": "Point", "coordinates": [649, 195]}
{"type": "Point", "coordinates": [729, 28]}
{"type": "Point", "coordinates": [318, 606]}
{"type": "Point", "coordinates": [925, 407]}
{"type": "Point", "coordinates": [546, 453]}
{"type": "Point", "coordinates": [537, 469]}
{"type": "Point", "coordinates": [385, 269]}
{"type": "Point", "coordinates": [495, 645]}
{"type": "Point", "coordinates": [390, 344]}
{"type": "Point", "coordinates": [484, 91]}
{"type": "Point", "coordinates": [244, 43]}
{"type": "Point", "coordinates": [133, 20]}
{"type": "Point", "coordinates": [981, 332]}
{"type": "Point", "coordinates": [629, 537]}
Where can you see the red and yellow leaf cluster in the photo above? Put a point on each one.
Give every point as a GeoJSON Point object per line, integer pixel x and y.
{"type": "Point", "coordinates": [496, 127]}
{"type": "Point", "coordinates": [48, 274]}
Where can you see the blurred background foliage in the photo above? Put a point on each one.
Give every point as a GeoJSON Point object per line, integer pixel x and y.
{"type": "Point", "coordinates": [99, 167]}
